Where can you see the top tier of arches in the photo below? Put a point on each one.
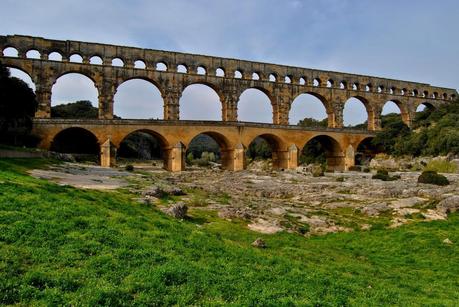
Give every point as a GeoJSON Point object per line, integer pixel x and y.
{"type": "Point", "coordinates": [137, 58]}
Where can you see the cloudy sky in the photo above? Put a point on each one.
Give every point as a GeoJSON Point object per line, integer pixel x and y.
{"type": "Point", "coordinates": [413, 40]}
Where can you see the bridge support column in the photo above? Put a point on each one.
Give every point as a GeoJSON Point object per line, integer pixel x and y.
{"type": "Point", "coordinates": [349, 158]}
{"type": "Point", "coordinates": [285, 159]}
{"type": "Point", "coordinates": [171, 104]}
{"type": "Point", "coordinates": [107, 154]}
{"type": "Point", "coordinates": [106, 97]}
{"type": "Point", "coordinates": [335, 115]}
{"type": "Point", "coordinates": [43, 95]}
{"type": "Point", "coordinates": [336, 162]}
{"type": "Point", "coordinates": [234, 159]}
{"type": "Point", "coordinates": [174, 158]}
{"type": "Point", "coordinates": [229, 107]}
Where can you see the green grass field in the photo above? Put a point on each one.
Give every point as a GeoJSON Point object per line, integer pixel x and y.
{"type": "Point", "coordinates": [64, 246]}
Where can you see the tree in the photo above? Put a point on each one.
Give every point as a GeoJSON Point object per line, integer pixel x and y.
{"type": "Point", "coordinates": [17, 108]}
{"type": "Point", "coordinates": [311, 122]}
{"type": "Point", "coordinates": [78, 109]}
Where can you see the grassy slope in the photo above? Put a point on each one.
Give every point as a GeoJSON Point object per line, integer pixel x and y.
{"type": "Point", "coordinates": [59, 244]}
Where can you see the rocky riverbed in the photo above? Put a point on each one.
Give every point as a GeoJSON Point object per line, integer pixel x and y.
{"type": "Point", "coordinates": [272, 201]}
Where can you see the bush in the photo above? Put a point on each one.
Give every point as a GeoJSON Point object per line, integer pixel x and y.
{"type": "Point", "coordinates": [317, 171]}
{"type": "Point", "coordinates": [129, 168]}
{"type": "Point", "coordinates": [441, 166]}
{"type": "Point", "coordinates": [432, 177]}
{"type": "Point", "coordinates": [383, 175]}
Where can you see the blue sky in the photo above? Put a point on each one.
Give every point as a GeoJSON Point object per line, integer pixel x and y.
{"type": "Point", "coordinates": [412, 40]}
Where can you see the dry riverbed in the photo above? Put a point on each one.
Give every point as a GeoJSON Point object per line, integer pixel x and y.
{"type": "Point", "coordinates": [268, 201]}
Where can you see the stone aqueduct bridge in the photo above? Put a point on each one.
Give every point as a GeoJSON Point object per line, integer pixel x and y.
{"type": "Point", "coordinates": [229, 78]}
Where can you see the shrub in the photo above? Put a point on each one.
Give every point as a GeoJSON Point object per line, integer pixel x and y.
{"type": "Point", "coordinates": [317, 171]}
{"type": "Point", "coordinates": [441, 166]}
{"type": "Point", "coordinates": [383, 175]}
{"type": "Point", "coordinates": [340, 179]}
{"type": "Point", "coordinates": [129, 168]}
{"type": "Point", "coordinates": [432, 177]}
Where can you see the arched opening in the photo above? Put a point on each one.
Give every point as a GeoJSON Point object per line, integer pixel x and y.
{"type": "Point", "coordinates": [141, 146]}
{"type": "Point", "coordinates": [263, 153]}
{"type": "Point", "coordinates": [74, 95]}
{"type": "Point", "coordinates": [329, 83]}
{"type": "Point", "coordinates": [182, 69]}
{"type": "Point", "coordinates": [201, 70]}
{"type": "Point", "coordinates": [309, 111]}
{"type": "Point", "coordinates": [76, 58]}
{"type": "Point", "coordinates": [238, 74]}
{"type": "Point", "coordinates": [287, 79]}
{"type": "Point", "coordinates": [161, 66]}
{"type": "Point", "coordinates": [208, 149]}
{"type": "Point", "coordinates": [96, 60]}
{"type": "Point", "coordinates": [255, 76]}
{"type": "Point", "coordinates": [220, 72]}
{"type": "Point", "coordinates": [423, 112]}
{"type": "Point", "coordinates": [365, 152]}
{"type": "Point", "coordinates": [20, 74]}
{"type": "Point", "coordinates": [33, 54]}
{"type": "Point", "coordinates": [255, 106]}
{"type": "Point", "coordinates": [10, 52]}
{"type": "Point", "coordinates": [80, 142]}
{"type": "Point", "coordinates": [323, 150]}
{"type": "Point", "coordinates": [272, 77]}
{"type": "Point", "coordinates": [138, 99]}
{"type": "Point", "coordinates": [139, 64]}
{"type": "Point", "coordinates": [200, 102]}
{"type": "Point", "coordinates": [302, 81]}
{"type": "Point", "coordinates": [316, 82]}
{"type": "Point", "coordinates": [117, 62]}
{"type": "Point", "coordinates": [390, 113]}
{"type": "Point", "coordinates": [55, 56]}
{"type": "Point", "coordinates": [355, 114]}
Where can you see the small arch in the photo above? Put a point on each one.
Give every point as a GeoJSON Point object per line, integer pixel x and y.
{"type": "Point", "coordinates": [33, 54]}
{"type": "Point", "coordinates": [220, 72]}
{"type": "Point", "coordinates": [425, 94]}
{"type": "Point", "coordinates": [272, 78]}
{"type": "Point", "coordinates": [414, 93]}
{"type": "Point", "coordinates": [453, 97]}
{"type": "Point", "coordinates": [161, 66]}
{"type": "Point", "coordinates": [330, 83]}
{"type": "Point", "coordinates": [139, 64]}
{"type": "Point", "coordinates": [435, 95]}
{"type": "Point", "coordinates": [355, 86]}
{"type": "Point", "coordinates": [117, 62]}
{"type": "Point", "coordinates": [325, 150]}
{"type": "Point", "coordinates": [76, 58]}
{"type": "Point", "coordinates": [343, 85]}
{"type": "Point", "coordinates": [201, 70]}
{"type": "Point", "coordinates": [77, 141]}
{"type": "Point", "coordinates": [96, 60]}
{"type": "Point", "coordinates": [368, 87]}
{"type": "Point", "coordinates": [11, 52]}
{"type": "Point", "coordinates": [238, 74]}
{"type": "Point", "coordinates": [316, 82]}
{"type": "Point", "coordinates": [445, 96]}
{"type": "Point", "coordinates": [182, 69]}
{"type": "Point", "coordinates": [255, 76]}
{"type": "Point", "coordinates": [403, 91]}
{"type": "Point", "coordinates": [287, 79]}
{"type": "Point", "coordinates": [392, 90]}
{"type": "Point", "coordinates": [55, 56]}
{"type": "Point", "coordinates": [302, 81]}
{"type": "Point", "coordinates": [380, 89]}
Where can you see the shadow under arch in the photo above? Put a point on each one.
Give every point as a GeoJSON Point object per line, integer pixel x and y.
{"type": "Point", "coordinates": [365, 151]}
{"type": "Point", "coordinates": [276, 150]}
{"type": "Point", "coordinates": [78, 141]}
{"type": "Point", "coordinates": [323, 149]}
{"type": "Point", "coordinates": [225, 150]}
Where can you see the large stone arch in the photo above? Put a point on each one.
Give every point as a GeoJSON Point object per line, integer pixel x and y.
{"type": "Point", "coordinates": [334, 152]}
{"type": "Point", "coordinates": [405, 111]}
{"type": "Point", "coordinates": [75, 140]}
{"type": "Point", "coordinates": [209, 85]}
{"type": "Point", "coordinates": [373, 116]}
{"type": "Point", "coordinates": [279, 148]}
{"type": "Point", "coordinates": [272, 100]}
{"type": "Point", "coordinates": [23, 69]}
{"type": "Point", "coordinates": [325, 102]}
